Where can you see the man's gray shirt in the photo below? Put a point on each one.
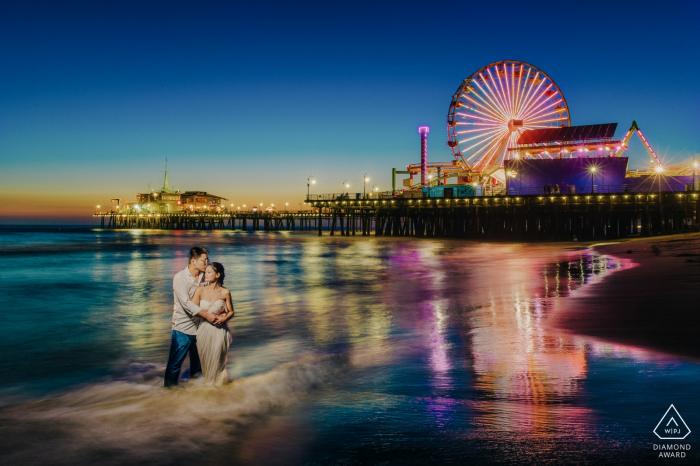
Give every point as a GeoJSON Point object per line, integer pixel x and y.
{"type": "Point", "coordinates": [184, 310]}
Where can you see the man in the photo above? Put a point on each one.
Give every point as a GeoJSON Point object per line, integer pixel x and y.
{"type": "Point", "coordinates": [186, 316]}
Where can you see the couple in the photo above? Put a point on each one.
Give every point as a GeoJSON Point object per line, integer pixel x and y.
{"type": "Point", "coordinates": [202, 308]}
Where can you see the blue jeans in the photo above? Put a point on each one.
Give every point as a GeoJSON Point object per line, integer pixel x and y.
{"type": "Point", "coordinates": [180, 345]}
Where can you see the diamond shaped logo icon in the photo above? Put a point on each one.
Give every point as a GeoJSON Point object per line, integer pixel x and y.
{"type": "Point", "coordinates": [672, 426]}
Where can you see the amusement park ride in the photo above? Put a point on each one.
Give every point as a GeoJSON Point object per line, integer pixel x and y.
{"type": "Point", "coordinates": [513, 110]}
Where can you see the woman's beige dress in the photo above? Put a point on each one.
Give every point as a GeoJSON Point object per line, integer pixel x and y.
{"type": "Point", "coordinates": [212, 345]}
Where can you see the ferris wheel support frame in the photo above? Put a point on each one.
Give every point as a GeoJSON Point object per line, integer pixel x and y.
{"type": "Point", "coordinates": [625, 141]}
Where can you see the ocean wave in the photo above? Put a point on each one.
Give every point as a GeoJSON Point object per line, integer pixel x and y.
{"type": "Point", "coordinates": [133, 419]}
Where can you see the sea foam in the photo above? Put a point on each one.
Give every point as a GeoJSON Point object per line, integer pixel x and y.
{"type": "Point", "coordinates": [133, 418]}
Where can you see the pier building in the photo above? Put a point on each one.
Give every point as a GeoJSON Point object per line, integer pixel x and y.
{"type": "Point", "coordinates": [170, 201]}
{"type": "Point", "coordinates": [200, 200]}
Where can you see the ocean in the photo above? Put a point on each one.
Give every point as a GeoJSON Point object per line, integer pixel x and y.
{"type": "Point", "coordinates": [346, 350]}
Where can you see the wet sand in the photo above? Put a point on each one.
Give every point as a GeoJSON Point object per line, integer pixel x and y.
{"type": "Point", "coordinates": [654, 304]}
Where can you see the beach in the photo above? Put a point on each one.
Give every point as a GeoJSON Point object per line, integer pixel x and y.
{"type": "Point", "coordinates": [651, 304]}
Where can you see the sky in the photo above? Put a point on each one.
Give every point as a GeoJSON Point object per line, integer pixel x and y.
{"type": "Point", "coordinates": [247, 100]}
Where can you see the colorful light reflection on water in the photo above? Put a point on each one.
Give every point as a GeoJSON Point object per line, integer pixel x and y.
{"type": "Point", "coordinates": [345, 350]}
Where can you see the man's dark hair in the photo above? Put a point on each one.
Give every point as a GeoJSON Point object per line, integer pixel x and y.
{"type": "Point", "coordinates": [197, 251]}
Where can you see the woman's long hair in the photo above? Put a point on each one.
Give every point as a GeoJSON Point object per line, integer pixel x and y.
{"type": "Point", "coordinates": [219, 268]}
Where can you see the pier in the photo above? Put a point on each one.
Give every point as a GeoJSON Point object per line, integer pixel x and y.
{"type": "Point", "coordinates": [208, 220]}
{"type": "Point", "coordinates": [498, 217]}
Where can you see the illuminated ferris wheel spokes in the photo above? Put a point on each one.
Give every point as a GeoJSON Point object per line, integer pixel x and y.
{"type": "Point", "coordinates": [495, 105]}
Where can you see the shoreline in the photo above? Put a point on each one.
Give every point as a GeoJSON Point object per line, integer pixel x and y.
{"type": "Point", "coordinates": [652, 304]}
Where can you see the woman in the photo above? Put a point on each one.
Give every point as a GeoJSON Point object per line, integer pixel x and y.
{"type": "Point", "coordinates": [212, 340]}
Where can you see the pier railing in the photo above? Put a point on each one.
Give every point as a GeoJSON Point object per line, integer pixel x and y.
{"type": "Point", "coordinates": [599, 189]}
{"type": "Point", "coordinates": [502, 191]}
{"type": "Point", "coordinates": [210, 213]}
{"type": "Point", "coordinates": [353, 196]}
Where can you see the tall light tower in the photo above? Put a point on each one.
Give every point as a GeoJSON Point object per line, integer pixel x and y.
{"type": "Point", "coordinates": [424, 130]}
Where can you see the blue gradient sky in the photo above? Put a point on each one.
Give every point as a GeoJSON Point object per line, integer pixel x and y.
{"type": "Point", "coordinates": [247, 100]}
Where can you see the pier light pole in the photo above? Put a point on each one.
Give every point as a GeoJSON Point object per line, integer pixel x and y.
{"type": "Point", "coordinates": [659, 169]}
{"type": "Point", "coordinates": [592, 174]}
{"type": "Point", "coordinates": [695, 168]}
{"type": "Point", "coordinates": [424, 130]}
{"type": "Point", "coordinates": [345, 186]}
{"type": "Point", "coordinates": [511, 174]}
{"type": "Point", "coordinates": [364, 186]}
{"type": "Point", "coordinates": [309, 181]}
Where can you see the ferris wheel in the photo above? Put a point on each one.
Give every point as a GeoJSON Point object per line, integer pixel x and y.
{"type": "Point", "coordinates": [494, 106]}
